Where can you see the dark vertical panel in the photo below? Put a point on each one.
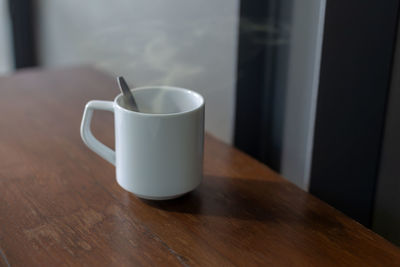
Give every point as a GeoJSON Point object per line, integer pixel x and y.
{"type": "Point", "coordinates": [386, 215]}
{"type": "Point", "coordinates": [23, 31]}
{"type": "Point", "coordinates": [263, 41]}
{"type": "Point", "coordinates": [354, 81]}
{"type": "Point", "coordinates": [250, 76]}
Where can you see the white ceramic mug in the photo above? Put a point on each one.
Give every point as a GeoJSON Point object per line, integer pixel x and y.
{"type": "Point", "coordinates": [159, 150]}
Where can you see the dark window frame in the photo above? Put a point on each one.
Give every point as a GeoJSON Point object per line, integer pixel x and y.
{"type": "Point", "coordinates": [23, 28]}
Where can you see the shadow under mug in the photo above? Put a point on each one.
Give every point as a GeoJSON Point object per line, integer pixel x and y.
{"type": "Point", "coordinates": [159, 150]}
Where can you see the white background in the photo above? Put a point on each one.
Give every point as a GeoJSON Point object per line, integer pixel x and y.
{"type": "Point", "coordinates": [184, 43]}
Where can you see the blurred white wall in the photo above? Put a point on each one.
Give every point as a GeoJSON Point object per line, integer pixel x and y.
{"type": "Point", "coordinates": [185, 43]}
{"type": "Point", "coordinates": [5, 39]}
{"type": "Point", "coordinates": [302, 89]}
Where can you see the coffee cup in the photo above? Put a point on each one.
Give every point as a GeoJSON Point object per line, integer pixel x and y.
{"type": "Point", "coordinates": [159, 149]}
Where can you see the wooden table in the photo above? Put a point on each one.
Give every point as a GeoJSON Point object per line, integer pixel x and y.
{"type": "Point", "coordinates": [60, 204]}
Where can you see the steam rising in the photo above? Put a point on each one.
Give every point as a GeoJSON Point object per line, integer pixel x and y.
{"type": "Point", "coordinates": [154, 53]}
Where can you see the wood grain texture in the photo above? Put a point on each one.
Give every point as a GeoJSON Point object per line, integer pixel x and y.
{"type": "Point", "coordinates": [60, 204]}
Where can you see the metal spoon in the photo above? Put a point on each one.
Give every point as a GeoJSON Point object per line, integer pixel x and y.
{"type": "Point", "coordinates": [129, 101]}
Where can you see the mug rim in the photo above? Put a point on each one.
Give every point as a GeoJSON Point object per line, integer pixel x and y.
{"type": "Point", "coordinates": [172, 88]}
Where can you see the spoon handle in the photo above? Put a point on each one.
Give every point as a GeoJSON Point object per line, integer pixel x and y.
{"type": "Point", "coordinates": [128, 97]}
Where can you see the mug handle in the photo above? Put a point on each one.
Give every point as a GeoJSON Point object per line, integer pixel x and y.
{"type": "Point", "coordinates": [86, 134]}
